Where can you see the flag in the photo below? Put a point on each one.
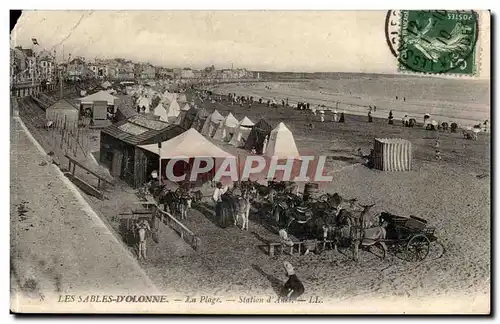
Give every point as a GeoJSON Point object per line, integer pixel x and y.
{"type": "Point", "coordinates": [35, 42]}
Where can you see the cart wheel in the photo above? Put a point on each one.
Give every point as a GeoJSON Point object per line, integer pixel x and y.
{"type": "Point", "coordinates": [418, 248]}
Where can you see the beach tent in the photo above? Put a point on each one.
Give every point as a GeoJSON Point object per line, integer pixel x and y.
{"type": "Point", "coordinates": [281, 143]}
{"type": "Point", "coordinates": [144, 102]}
{"type": "Point", "coordinates": [98, 96]}
{"type": "Point", "coordinates": [257, 135]}
{"type": "Point", "coordinates": [211, 123]}
{"type": "Point", "coordinates": [173, 109]}
{"type": "Point", "coordinates": [161, 112]}
{"type": "Point", "coordinates": [190, 144]}
{"type": "Point", "coordinates": [168, 96]}
{"type": "Point", "coordinates": [226, 128]}
{"type": "Point", "coordinates": [199, 119]}
{"type": "Point", "coordinates": [241, 133]}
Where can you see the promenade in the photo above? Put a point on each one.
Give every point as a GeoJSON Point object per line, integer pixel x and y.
{"type": "Point", "coordinates": [59, 246]}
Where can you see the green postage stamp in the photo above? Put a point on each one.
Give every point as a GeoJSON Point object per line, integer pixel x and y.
{"type": "Point", "coordinates": [434, 41]}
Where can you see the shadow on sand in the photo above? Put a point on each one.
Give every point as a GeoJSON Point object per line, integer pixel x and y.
{"type": "Point", "coordinates": [276, 284]}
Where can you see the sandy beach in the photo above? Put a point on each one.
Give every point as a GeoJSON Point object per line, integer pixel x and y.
{"type": "Point", "coordinates": [446, 100]}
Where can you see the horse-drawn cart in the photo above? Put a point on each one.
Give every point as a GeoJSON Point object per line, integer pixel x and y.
{"type": "Point", "coordinates": [409, 236]}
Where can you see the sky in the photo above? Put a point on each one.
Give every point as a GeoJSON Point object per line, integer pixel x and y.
{"type": "Point", "coordinates": [295, 41]}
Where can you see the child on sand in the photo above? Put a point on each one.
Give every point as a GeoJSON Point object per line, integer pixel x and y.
{"type": "Point", "coordinates": [293, 288]}
{"type": "Point", "coordinates": [438, 151]}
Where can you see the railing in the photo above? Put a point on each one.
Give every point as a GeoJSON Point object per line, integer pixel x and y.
{"type": "Point", "coordinates": [185, 233]}
{"type": "Point", "coordinates": [101, 181]}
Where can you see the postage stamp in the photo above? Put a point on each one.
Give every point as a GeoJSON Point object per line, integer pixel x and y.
{"type": "Point", "coordinates": [434, 41]}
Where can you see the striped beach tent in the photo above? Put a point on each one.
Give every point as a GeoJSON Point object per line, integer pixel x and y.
{"type": "Point", "coordinates": [392, 154]}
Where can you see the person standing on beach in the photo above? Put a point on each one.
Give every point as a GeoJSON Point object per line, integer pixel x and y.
{"type": "Point", "coordinates": [342, 118]}
{"type": "Point", "coordinates": [370, 119]}
{"type": "Point", "coordinates": [221, 206]}
{"type": "Point", "coordinates": [391, 117]}
{"type": "Point", "coordinates": [437, 149]}
{"type": "Point", "coordinates": [335, 115]}
{"type": "Point", "coordinates": [287, 102]}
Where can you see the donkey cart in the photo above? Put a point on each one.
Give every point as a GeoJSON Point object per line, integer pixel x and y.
{"type": "Point", "coordinates": [408, 236]}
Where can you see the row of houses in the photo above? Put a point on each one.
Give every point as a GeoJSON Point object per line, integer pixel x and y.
{"type": "Point", "coordinates": [26, 64]}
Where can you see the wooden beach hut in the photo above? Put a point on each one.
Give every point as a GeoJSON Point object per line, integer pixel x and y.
{"type": "Point", "coordinates": [120, 151]}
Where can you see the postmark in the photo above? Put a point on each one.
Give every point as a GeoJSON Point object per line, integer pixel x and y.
{"type": "Point", "coordinates": [433, 41]}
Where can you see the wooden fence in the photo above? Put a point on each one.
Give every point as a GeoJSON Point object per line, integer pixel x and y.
{"type": "Point", "coordinates": [185, 233]}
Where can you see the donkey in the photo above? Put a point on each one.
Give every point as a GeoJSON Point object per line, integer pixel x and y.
{"type": "Point", "coordinates": [243, 205]}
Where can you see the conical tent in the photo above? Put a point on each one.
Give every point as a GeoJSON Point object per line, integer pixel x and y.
{"type": "Point", "coordinates": [173, 109]}
{"type": "Point", "coordinates": [241, 133]}
{"type": "Point", "coordinates": [255, 139]}
{"type": "Point", "coordinates": [281, 143]}
{"type": "Point", "coordinates": [144, 102]}
{"type": "Point", "coordinates": [161, 111]}
{"type": "Point", "coordinates": [226, 128]}
{"type": "Point", "coordinates": [211, 123]}
{"type": "Point", "coordinates": [168, 97]}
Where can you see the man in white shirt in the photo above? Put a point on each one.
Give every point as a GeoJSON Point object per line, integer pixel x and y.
{"type": "Point", "coordinates": [222, 208]}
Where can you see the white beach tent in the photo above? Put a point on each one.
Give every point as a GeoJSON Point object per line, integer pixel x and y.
{"type": "Point", "coordinates": [99, 96]}
{"type": "Point", "coordinates": [144, 102]}
{"type": "Point", "coordinates": [211, 123]}
{"type": "Point", "coordinates": [167, 96]}
{"type": "Point", "coordinates": [173, 109]}
{"type": "Point", "coordinates": [189, 144]}
{"type": "Point", "coordinates": [226, 127]}
{"type": "Point", "coordinates": [161, 111]}
{"type": "Point", "coordinates": [281, 143]}
{"type": "Point", "coordinates": [242, 131]}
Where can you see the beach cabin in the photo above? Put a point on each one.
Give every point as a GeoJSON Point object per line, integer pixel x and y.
{"type": "Point", "coordinates": [95, 100]}
{"type": "Point", "coordinates": [392, 154]}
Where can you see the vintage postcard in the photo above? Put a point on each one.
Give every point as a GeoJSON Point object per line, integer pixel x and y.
{"type": "Point", "coordinates": [250, 162]}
